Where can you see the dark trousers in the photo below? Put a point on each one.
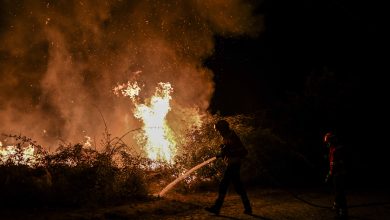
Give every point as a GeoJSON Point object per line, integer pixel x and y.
{"type": "Point", "coordinates": [232, 174]}
{"type": "Point", "coordinates": [339, 190]}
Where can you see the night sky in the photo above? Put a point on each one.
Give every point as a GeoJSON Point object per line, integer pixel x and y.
{"type": "Point", "coordinates": [317, 66]}
{"type": "Point", "coordinates": [301, 38]}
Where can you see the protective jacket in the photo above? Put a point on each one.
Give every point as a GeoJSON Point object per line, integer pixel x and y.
{"type": "Point", "coordinates": [232, 149]}
{"type": "Point", "coordinates": [336, 160]}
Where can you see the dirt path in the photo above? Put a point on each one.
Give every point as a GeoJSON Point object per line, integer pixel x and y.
{"type": "Point", "coordinates": [281, 204]}
{"type": "Point", "coordinates": [267, 204]}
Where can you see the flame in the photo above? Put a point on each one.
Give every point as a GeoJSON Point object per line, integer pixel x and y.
{"type": "Point", "coordinates": [88, 142]}
{"type": "Point", "coordinates": [17, 155]}
{"type": "Point", "coordinates": [157, 138]}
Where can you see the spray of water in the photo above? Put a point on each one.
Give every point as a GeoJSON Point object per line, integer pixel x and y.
{"type": "Point", "coordinates": [173, 183]}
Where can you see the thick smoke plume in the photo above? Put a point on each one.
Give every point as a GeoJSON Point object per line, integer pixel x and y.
{"type": "Point", "coordinates": [60, 60]}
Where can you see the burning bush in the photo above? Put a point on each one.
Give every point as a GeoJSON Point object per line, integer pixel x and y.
{"type": "Point", "coordinates": [78, 175]}
{"type": "Point", "coordinates": [270, 158]}
{"type": "Point", "coordinates": [74, 175]}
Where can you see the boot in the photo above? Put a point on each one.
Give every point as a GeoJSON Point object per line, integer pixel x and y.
{"type": "Point", "coordinates": [213, 209]}
{"type": "Point", "coordinates": [247, 204]}
{"type": "Point", "coordinates": [216, 207]}
{"type": "Point", "coordinates": [248, 211]}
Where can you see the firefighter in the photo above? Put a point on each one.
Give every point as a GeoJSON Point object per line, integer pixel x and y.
{"type": "Point", "coordinates": [233, 152]}
{"type": "Point", "coordinates": [337, 173]}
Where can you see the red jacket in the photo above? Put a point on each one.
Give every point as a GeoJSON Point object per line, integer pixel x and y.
{"type": "Point", "coordinates": [336, 160]}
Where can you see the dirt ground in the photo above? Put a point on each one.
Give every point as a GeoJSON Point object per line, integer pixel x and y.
{"type": "Point", "coordinates": [267, 204]}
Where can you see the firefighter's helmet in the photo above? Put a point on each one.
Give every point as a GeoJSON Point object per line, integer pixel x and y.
{"type": "Point", "coordinates": [329, 137]}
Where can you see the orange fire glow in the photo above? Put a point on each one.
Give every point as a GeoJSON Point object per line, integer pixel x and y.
{"type": "Point", "coordinates": [157, 138]}
{"type": "Point", "coordinates": [17, 155]}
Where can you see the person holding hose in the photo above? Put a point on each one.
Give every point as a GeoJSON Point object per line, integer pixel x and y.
{"type": "Point", "coordinates": [233, 152]}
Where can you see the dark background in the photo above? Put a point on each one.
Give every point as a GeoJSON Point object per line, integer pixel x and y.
{"type": "Point", "coordinates": [317, 66]}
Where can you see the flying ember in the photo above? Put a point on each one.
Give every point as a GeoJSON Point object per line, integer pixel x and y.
{"type": "Point", "coordinates": [157, 139]}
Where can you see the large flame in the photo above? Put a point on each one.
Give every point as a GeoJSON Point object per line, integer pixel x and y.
{"type": "Point", "coordinates": [157, 138]}
{"type": "Point", "coordinates": [18, 155]}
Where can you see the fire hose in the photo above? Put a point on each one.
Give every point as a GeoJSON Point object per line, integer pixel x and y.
{"type": "Point", "coordinates": [173, 183]}
{"type": "Point", "coordinates": [177, 180]}
{"type": "Point", "coordinates": [276, 182]}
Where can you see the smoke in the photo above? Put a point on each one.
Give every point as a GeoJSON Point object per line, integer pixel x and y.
{"type": "Point", "coordinates": [60, 59]}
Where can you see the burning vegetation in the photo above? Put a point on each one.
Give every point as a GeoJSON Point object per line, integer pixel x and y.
{"type": "Point", "coordinates": [80, 175]}
{"type": "Point", "coordinates": [67, 58]}
{"type": "Point", "coordinates": [157, 138]}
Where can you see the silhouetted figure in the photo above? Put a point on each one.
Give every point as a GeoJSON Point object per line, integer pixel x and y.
{"type": "Point", "coordinates": [233, 152]}
{"type": "Point", "coordinates": [337, 173]}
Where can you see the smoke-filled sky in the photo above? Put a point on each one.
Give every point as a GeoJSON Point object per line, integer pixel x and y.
{"type": "Point", "coordinates": [60, 60]}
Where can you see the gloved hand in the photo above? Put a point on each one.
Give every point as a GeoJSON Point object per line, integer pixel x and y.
{"type": "Point", "coordinates": [218, 155]}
